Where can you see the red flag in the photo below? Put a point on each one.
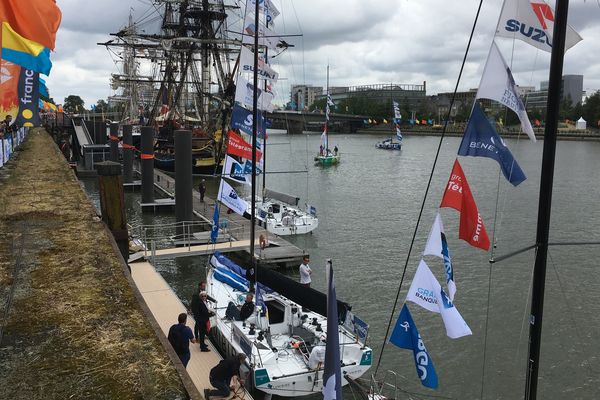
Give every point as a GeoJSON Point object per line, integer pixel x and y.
{"type": "Point", "coordinates": [237, 146]}
{"type": "Point", "coordinates": [458, 196]}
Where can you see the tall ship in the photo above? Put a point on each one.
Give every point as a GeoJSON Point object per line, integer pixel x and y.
{"type": "Point", "coordinates": [176, 68]}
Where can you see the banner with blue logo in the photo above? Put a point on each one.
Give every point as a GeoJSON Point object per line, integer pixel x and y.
{"type": "Point", "coordinates": [242, 119]}
{"type": "Point", "coordinates": [406, 336]}
{"type": "Point", "coordinates": [481, 140]}
{"type": "Point", "coordinates": [228, 196]}
{"type": "Point", "coordinates": [214, 232]}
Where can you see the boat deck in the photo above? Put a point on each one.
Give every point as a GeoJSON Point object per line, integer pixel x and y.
{"type": "Point", "coordinates": [165, 306]}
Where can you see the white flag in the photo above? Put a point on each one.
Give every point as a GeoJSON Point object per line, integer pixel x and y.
{"type": "Point", "coordinates": [229, 197]}
{"type": "Point", "coordinates": [497, 83]}
{"type": "Point", "coordinates": [247, 65]}
{"type": "Point", "coordinates": [532, 22]}
{"type": "Point", "coordinates": [266, 37]}
{"type": "Point", "coordinates": [234, 170]}
{"type": "Point", "coordinates": [427, 292]}
{"type": "Point", "coordinates": [244, 92]}
{"type": "Point", "coordinates": [438, 246]}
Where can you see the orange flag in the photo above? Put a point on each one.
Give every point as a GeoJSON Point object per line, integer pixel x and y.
{"type": "Point", "coordinates": [36, 20]}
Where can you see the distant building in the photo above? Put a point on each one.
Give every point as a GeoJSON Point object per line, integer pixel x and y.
{"type": "Point", "coordinates": [303, 96]}
{"type": "Point", "coordinates": [409, 96]}
{"type": "Point", "coordinates": [571, 87]}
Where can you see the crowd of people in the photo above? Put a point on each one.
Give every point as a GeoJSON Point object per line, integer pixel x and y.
{"type": "Point", "coordinates": [8, 127]}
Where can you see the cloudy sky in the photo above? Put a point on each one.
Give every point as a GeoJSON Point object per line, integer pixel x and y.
{"type": "Point", "coordinates": [364, 42]}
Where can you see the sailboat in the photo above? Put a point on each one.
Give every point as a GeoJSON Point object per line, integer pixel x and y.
{"type": "Point", "coordinates": [284, 336]}
{"type": "Point", "coordinates": [279, 214]}
{"type": "Point", "coordinates": [327, 156]}
{"type": "Point", "coordinates": [188, 52]}
{"type": "Point", "coordinates": [389, 144]}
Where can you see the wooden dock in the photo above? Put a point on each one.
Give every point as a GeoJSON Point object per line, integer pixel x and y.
{"type": "Point", "coordinates": [166, 306]}
{"type": "Point", "coordinates": [280, 251]}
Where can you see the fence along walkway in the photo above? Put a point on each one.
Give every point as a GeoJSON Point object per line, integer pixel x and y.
{"type": "Point", "coordinates": [166, 306]}
{"type": "Point", "coordinates": [280, 251]}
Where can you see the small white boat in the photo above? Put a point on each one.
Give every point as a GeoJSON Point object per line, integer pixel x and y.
{"type": "Point", "coordinates": [280, 341]}
{"type": "Point", "coordinates": [280, 215]}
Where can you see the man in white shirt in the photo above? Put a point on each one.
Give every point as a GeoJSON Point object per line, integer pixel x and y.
{"type": "Point", "coordinates": [305, 272]}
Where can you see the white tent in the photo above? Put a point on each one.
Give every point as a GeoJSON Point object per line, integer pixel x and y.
{"type": "Point", "coordinates": [581, 124]}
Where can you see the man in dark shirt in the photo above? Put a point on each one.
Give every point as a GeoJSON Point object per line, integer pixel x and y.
{"type": "Point", "coordinates": [244, 312]}
{"type": "Point", "coordinates": [220, 376]}
{"type": "Point", "coordinates": [180, 337]}
{"type": "Point", "coordinates": [202, 317]}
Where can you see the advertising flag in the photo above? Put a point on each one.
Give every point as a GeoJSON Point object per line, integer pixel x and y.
{"type": "Point", "coordinates": [229, 197]}
{"type": "Point", "coordinates": [266, 37]}
{"type": "Point", "coordinates": [237, 146]}
{"type": "Point", "coordinates": [244, 92]}
{"type": "Point", "coordinates": [497, 83]}
{"type": "Point", "coordinates": [36, 20]}
{"type": "Point", "coordinates": [426, 291]}
{"type": "Point", "coordinates": [406, 336]}
{"type": "Point", "coordinates": [28, 114]}
{"type": "Point", "coordinates": [214, 231]}
{"type": "Point", "coordinates": [9, 89]}
{"type": "Point", "coordinates": [458, 196]}
{"type": "Point", "coordinates": [332, 373]}
{"type": "Point", "coordinates": [236, 171]}
{"type": "Point", "coordinates": [25, 52]}
{"type": "Point", "coordinates": [438, 246]}
{"type": "Point", "coordinates": [242, 119]}
{"type": "Point", "coordinates": [482, 140]}
{"type": "Point", "coordinates": [531, 21]}
{"type": "Point", "coordinates": [247, 65]}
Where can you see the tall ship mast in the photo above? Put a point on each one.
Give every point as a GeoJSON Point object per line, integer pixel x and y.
{"type": "Point", "coordinates": [186, 54]}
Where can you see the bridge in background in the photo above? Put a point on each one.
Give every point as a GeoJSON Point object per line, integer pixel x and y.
{"type": "Point", "coordinates": [297, 121]}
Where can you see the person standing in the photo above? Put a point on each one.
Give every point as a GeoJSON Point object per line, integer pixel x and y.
{"type": "Point", "coordinates": [180, 337]}
{"type": "Point", "coordinates": [305, 272]}
{"type": "Point", "coordinates": [202, 190]}
{"type": "Point", "coordinates": [220, 376]}
{"type": "Point", "coordinates": [202, 320]}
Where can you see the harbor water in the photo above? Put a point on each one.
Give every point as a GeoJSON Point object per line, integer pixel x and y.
{"type": "Point", "coordinates": [368, 207]}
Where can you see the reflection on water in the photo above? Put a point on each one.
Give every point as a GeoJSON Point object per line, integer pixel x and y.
{"type": "Point", "coordinates": [368, 208]}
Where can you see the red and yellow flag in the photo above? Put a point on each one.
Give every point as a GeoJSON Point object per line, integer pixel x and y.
{"type": "Point", "coordinates": [36, 20]}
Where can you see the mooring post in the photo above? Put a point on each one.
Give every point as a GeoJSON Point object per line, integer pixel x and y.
{"type": "Point", "coordinates": [100, 136]}
{"type": "Point", "coordinates": [112, 203]}
{"type": "Point", "coordinates": [147, 161]}
{"type": "Point", "coordinates": [127, 154]}
{"type": "Point", "coordinates": [114, 142]}
{"type": "Point", "coordinates": [183, 179]}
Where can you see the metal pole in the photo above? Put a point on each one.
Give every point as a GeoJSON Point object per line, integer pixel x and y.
{"type": "Point", "coordinates": [183, 179]}
{"type": "Point", "coordinates": [251, 274]}
{"type": "Point", "coordinates": [147, 164]}
{"type": "Point", "coordinates": [127, 154]}
{"type": "Point", "coordinates": [545, 199]}
{"type": "Point", "coordinates": [114, 142]}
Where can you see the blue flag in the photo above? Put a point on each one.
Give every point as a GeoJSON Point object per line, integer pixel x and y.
{"type": "Point", "coordinates": [214, 232]}
{"type": "Point", "coordinates": [332, 373]}
{"type": "Point", "coordinates": [242, 119]}
{"type": "Point", "coordinates": [406, 336]}
{"type": "Point", "coordinates": [481, 140]}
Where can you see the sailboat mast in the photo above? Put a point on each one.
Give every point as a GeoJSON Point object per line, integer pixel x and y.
{"type": "Point", "coordinates": [263, 120]}
{"type": "Point", "coordinates": [392, 125]}
{"type": "Point", "coordinates": [327, 114]}
{"type": "Point", "coordinates": [545, 199]}
{"type": "Point", "coordinates": [254, 125]}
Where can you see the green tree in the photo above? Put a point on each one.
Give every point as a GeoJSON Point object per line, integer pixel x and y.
{"type": "Point", "coordinates": [73, 103]}
{"type": "Point", "coordinates": [101, 106]}
{"type": "Point", "coordinates": [591, 110]}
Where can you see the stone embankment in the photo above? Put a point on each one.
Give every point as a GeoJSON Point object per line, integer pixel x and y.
{"type": "Point", "coordinates": [71, 325]}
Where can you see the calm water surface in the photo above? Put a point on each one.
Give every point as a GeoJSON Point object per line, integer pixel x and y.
{"type": "Point", "coordinates": [368, 208]}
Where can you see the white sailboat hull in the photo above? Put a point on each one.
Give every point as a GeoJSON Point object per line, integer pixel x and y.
{"type": "Point", "coordinates": [279, 360]}
{"type": "Point", "coordinates": [297, 226]}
